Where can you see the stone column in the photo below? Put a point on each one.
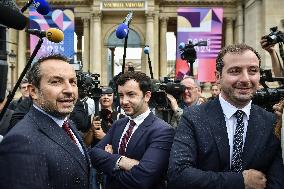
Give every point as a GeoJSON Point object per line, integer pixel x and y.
{"type": "Point", "coordinates": [229, 31]}
{"type": "Point", "coordinates": [163, 47]}
{"type": "Point", "coordinates": [150, 40]}
{"type": "Point", "coordinates": [96, 48]}
{"type": "Point", "coordinates": [86, 52]}
{"type": "Point", "coordinates": [240, 24]}
{"type": "Point", "coordinates": [22, 47]}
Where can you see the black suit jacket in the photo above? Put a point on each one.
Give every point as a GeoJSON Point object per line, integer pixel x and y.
{"type": "Point", "coordinates": [150, 144]}
{"type": "Point", "coordinates": [38, 154]}
{"type": "Point", "coordinates": [200, 157]}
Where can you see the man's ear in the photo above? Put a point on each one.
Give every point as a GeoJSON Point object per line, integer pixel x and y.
{"type": "Point", "coordinates": [147, 96]}
{"type": "Point", "coordinates": [218, 77]}
{"type": "Point", "coordinates": [33, 91]}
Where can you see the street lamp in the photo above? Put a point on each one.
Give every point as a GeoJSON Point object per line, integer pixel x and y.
{"type": "Point", "coordinates": [12, 61]}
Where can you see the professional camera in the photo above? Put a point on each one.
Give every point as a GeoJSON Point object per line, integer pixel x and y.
{"type": "Point", "coordinates": [160, 89]}
{"type": "Point", "coordinates": [275, 36]}
{"type": "Point", "coordinates": [267, 97]}
{"type": "Point", "coordinates": [88, 85]}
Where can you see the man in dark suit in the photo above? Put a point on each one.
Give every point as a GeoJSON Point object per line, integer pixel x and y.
{"type": "Point", "coordinates": [44, 149]}
{"type": "Point", "coordinates": [215, 147]}
{"type": "Point", "coordinates": [135, 151]}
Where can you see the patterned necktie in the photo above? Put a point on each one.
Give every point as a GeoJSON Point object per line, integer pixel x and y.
{"type": "Point", "coordinates": [126, 137]}
{"type": "Point", "coordinates": [67, 129]}
{"type": "Point", "coordinates": [238, 143]}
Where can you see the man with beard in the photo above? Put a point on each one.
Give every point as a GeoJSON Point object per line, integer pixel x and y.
{"type": "Point", "coordinates": [228, 142]}
{"type": "Point", "coordinates": [135, 151]}
{"type": "Point", "coordinates": [44, 149]}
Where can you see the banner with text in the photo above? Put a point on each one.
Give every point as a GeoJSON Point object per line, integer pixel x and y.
{"type": "Point", "coordinates": [200, 24]}
{"type": "Point", "coordinates": [62, 19]}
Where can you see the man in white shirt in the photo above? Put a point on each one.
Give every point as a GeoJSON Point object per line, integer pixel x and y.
{"type": "Point", "coordinates": [135, 151]}
{"type": "Point", "coordinates": [44, 149]}
{"type": "Point", "coordinates": [228, 142]}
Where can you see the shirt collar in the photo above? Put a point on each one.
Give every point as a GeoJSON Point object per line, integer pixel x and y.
{"type": "Point", "coordinates": [139, 119]}
{"type": "Point", "coordinates": [59, 122]}
{"type": "Point", "coordinates": [229, 109]}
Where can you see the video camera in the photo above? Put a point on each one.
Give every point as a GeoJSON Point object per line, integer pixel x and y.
{"type": "Point", "coordinates": [161, 89]}
{"type": "Point", "coordinates": [275, 36]}
{"type": "Point", "coordinates": [267, 97]}
{"type": "Point", "coordinates": [88, 85]}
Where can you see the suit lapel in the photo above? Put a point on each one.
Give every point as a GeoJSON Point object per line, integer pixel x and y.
{"type": "Point", "coordinates": [139, 133]}
{"type": "Point", "coordinates": [217, 123]}
{"type": "Point", "coordinates": [117, 133]}
{"type": "Point", "coordinates": [254, 136]}
{"type": "Point", "coordinates": [58, 135]}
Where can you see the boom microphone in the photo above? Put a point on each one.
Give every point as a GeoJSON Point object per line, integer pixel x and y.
{"type": "Point", "coordinates": [123, 29]}
{"type": "Point", "coordinates": [52, 34]}
{"type": "Point", "coordinates": [11, 16]}
{"type": "Point", "coordinates": [41, 6]}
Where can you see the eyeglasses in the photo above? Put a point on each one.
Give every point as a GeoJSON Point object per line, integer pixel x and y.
{"type": "Point", "coordinates": [190, 88]}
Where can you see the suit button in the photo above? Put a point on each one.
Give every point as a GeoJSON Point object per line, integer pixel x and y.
{"type": "Point", "coordinates": [77, 180]}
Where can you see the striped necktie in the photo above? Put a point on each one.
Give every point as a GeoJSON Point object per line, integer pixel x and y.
{"type": "Point", "coordinates": [238, 143]}
{"type": "Point", "coordinates": [126, 137]}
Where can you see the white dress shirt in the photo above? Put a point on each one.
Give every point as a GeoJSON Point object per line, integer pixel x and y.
{"type": "Point", "coordinates": [231, 121]}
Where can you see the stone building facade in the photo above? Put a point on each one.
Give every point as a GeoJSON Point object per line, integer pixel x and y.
{"type": "Point", "coordinates": [96, 22]}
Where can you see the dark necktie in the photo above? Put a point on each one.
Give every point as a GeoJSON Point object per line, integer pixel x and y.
{"type": "Point", "coordinates": [126, 137]}
{"type": "Point", "coordinates": [66, 128]}
{"type": "Point", "coordinates": [238, 143]}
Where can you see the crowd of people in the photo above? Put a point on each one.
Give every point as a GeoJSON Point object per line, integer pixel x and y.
{"type": "Point", "coordinates": [55, 138]}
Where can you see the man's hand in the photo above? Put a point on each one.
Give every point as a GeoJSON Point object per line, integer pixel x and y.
{"type": "Point", "coordinates": [108, 148]}
{"type": "Point", "coordinates": [254, 179]}
{"type": "Point", "coordinates": [265, 46]}
{"type": "Point", "coordinates": [173, 102]}
{"type": "Point", "coordinates": [126, 163]}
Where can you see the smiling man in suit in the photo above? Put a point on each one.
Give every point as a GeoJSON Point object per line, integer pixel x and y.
{"type": "Point", "coordinates": [228, 143]}
{"type": "Point", "coordinates": [44, 149]}
{"type": "Point", "coordinates": [135, 151]}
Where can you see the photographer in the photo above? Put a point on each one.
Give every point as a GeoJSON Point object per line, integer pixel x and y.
{"type": "Point", "coordinates": [102, 123]}
{"type": "Point", "coordinates": [190, 97]}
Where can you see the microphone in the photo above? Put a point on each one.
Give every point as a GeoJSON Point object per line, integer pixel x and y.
{"type": "Point", "coordinates": [52, 34]}
{"type": "Point", "coordinates": [123, 29]}
{"type": "Point", "coordinates": [146, 49]}
{"type": "Point", "coordinates": [41, 6]}
{"type": "Point", "coordinates": [181, 45]}
{"type": "Point", "coordinates": [11, 16]}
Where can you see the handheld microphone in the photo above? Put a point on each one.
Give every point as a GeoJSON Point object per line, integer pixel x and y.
{"type": "Point", "coordinates": [146, 49]}
{"type": "Point", "coordinates": [52, 34]}
{"type": "Point", "coordinates": [123, 29]}
{"type": "Point", "coordinates": [11, 17]}
{"type": "Point", "coordinates": [41, 6]}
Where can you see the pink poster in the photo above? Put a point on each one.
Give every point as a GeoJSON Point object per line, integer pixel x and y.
{"type": "Point", "coordinates": [195, 25]}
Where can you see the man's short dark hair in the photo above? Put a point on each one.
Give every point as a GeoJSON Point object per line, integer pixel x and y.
{"type": "Point", "coordinates": [143, 80]}
{"type": "Point", "coordinates": [233, 49]}
{"type": "Point", "coordinates": [34, 75]}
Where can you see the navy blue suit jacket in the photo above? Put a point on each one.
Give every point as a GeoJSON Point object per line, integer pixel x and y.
{"type": "Point", "coordinates": [200, 156]}
{"type": "Point", "coordinates": [38, 154]}
{"type": "Point", "coordinates": [150, 144]}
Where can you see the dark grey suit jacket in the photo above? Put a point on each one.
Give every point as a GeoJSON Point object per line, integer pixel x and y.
{"type": "Point", "coordinates": [150, 144]}
{"type": "Point", "coordinates": [200, 157]}
{"type": "Point", "coordinates": [38, 154]}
